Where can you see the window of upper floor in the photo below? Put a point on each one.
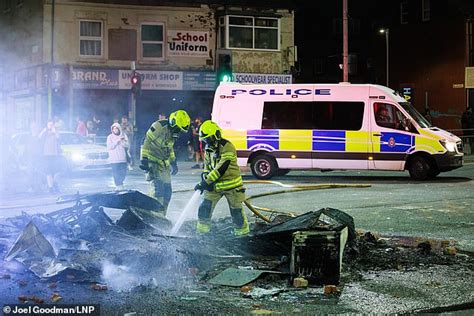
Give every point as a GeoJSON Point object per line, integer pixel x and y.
{"type": "Point", "coordinates": [425, 10]}
{"type": "Point", "coordinates": [247, 32]}
{"type": "Point", "coordinates": [404, 12]}
{"type": "Point", "coordinates": [152, 41]}
{"type": "Point", "coordinates": [91, 38]}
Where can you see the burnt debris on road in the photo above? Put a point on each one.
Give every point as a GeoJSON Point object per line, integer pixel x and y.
{"type": "Point", "coordinates": [311, 257]}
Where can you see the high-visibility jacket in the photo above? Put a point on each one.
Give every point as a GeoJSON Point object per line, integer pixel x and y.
{"type": "Point", "coordinates": [158, 144]}
{"type": "Point", "coordinates": [221, 166]}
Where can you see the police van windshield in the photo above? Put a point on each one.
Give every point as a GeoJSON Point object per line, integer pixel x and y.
{"type": "Point", "coordinates": [415, 115]}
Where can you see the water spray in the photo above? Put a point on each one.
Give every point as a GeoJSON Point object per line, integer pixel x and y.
{"type": "Point", "coordinates": [192, 205]}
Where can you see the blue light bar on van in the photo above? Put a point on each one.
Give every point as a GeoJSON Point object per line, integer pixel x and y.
{"type": "Point", "coordinates": [301, 91]}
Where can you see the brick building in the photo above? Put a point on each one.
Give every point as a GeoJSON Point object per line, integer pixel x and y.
{"type": "Point", "coordinates": [73, 58]}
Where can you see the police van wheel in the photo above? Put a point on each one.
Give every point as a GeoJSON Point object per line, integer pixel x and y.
{"type": "Point", "coordinates": [263, 167]}
{"type": "Point", "coordinates": [419, 169]}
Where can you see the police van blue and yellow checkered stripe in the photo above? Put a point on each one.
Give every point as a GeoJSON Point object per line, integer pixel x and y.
{"type": "Point", "coordinates": [342, 144]}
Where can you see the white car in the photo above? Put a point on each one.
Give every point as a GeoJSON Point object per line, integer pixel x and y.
{"type": "Point", "coordinates": [79, 152]}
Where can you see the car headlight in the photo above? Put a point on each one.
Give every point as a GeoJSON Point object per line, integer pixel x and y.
{"type": "Point", "coordinates": [450, 146]}
{"type": "Point", "coordinates": [76, 157]}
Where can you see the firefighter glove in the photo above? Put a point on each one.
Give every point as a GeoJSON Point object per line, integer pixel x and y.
{"type": "Point", "coordinates": [174, 167]}
{"type": "Point", "coordinates": [201, 186]}
{"type": "Point", "coordinates": [144, 165]}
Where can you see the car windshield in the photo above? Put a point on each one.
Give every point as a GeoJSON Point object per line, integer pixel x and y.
{"type": "Point", "coordinates": [422, 122]}
{"type": "Point", "coordinates": [71, 139]}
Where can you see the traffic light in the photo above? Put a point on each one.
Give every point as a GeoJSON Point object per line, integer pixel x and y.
{"type": "Point", "coordinates": [136, 81]}
{"type": "Point", "coordinates": [224, 68]}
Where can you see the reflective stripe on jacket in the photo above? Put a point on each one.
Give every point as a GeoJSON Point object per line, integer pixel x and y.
{"type": "Point", "coordinates": [158, 144]}
{"type": "Point", "coordinates": [222, 167]}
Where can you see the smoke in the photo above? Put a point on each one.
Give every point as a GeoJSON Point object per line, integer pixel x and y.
{"type": "Point", "coordinates": [120, 277]}
{"type": "Point", "coordinates": [161, 265]}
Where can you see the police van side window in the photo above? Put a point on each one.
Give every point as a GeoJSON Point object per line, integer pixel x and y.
{"type": "Point", "coordinates": [389, 116]}
{"type": "Point", "coordinates": [338, 115]}
{"type": "Point", "coordinates": [313, 115]}
{"type": "Point", "coordinates": [287, 115]}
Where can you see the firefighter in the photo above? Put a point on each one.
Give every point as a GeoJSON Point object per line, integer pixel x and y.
{"type": "Point", "coordinates": [158, 159]}
{"type": "Point", "coordinates": [221, 177]}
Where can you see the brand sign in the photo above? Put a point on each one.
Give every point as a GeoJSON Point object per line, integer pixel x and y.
{"type": "Point", "coordinates": [188, 43]}
{"type": "Point", "coordinates": [153, 80]}
{"type": "Point", "coordinates": [261, 78]}
{"type": "Point", "coordinates": [94, 79]}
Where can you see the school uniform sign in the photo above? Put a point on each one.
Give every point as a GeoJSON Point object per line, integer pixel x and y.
{"type": "Point", "coordinates": [188, 43]}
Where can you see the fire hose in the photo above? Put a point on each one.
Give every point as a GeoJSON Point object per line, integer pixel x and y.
{"type": "Point", "coordinates": [291, 188]}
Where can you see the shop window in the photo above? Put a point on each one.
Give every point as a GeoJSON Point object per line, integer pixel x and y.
{"type": "Point", "coordinates": [246, 32]}
{"type": "Point", "coordinates": [90, 38]}
{"type": "Point", "coordinates": [152, 39]}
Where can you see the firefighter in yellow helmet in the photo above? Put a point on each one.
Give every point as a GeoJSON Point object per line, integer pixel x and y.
{"type": "Point", "coordinates": [158, 159]}
{"type": "Point", "coordinates": [221, 177]}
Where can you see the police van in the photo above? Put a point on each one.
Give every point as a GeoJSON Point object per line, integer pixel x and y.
{"type": "Point", "coordinates": [278, 128]}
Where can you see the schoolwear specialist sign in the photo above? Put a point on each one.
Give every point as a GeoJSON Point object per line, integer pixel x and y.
{"type": "Point", "coordinates": [261, 78]}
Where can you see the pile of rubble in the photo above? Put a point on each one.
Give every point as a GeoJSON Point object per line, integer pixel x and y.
{"type": "Point", "coordinates": [82, 244]}
{"type": "Point", "coordinates": [76, 241]}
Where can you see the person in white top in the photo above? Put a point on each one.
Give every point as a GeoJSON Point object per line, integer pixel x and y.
{"type": "Point", "coordinates": [117, 145]}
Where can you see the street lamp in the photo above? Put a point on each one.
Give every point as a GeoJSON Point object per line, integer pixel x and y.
{"type": "Point", "coordinates": [386, 31]}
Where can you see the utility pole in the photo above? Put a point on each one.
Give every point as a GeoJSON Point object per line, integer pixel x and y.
{"type": "Point", "coordinates": [50, 72]}
{"type": "Point", "coordinates": [387, 57]}
{"type": "Point", "coordinates": [132, 111]}
{"type": "Point", "coordinates": [345, 46]}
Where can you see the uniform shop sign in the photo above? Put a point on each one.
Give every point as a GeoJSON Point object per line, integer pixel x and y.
{"type": "Point", "coordinates": [153, 80]}
{"type": "Point", "coordinates": [188, 43]}
{"type": "Point", "coordinates": [94, 78]}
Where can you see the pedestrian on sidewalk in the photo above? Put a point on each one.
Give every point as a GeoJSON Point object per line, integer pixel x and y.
{"type": "Point", "coordinates": [128, 129]}
{"type": "Point", "coordinates": [81, 127]}
{"type": "Point", "coordinates": [197, 144]}
{"type": "Point", "coordinates": [117, 146]}
{"type": "Point", "coordinates": [51, 151]}
{"type": "Point", "coordinates": [467, 123]}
